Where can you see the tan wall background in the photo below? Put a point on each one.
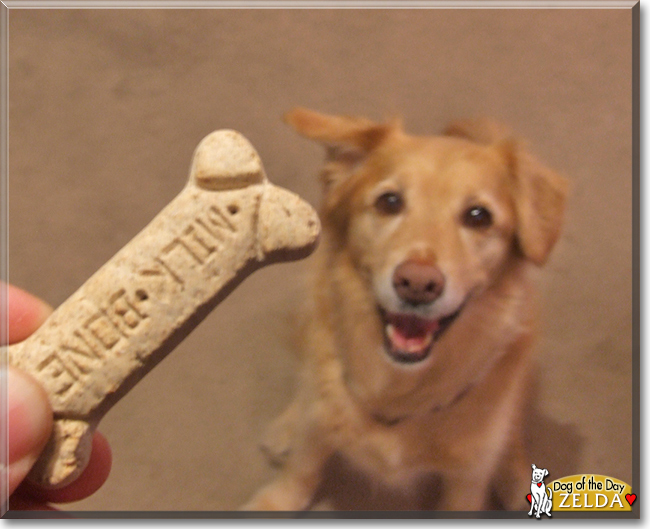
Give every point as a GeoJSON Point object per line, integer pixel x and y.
{"type": "Point", "coordinates": [107, 106]}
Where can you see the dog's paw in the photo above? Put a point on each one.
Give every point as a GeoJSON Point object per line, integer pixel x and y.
{"type": "Point", "coordinates": [279, 496]}
{"type": "Point", "coordinates": [261, 503]}
{"type": "Point", "coordinates": [278, 439]}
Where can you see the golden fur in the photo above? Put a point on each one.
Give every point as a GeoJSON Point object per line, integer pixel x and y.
{"type": "Point", "coordinates": [475, 211]}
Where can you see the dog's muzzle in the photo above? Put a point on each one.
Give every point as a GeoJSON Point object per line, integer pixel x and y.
{"type": "Point", "coordinates": [409, 338]}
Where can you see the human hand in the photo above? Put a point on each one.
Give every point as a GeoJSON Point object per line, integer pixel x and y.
{"type": "Point", "coordinates": [30, 419]}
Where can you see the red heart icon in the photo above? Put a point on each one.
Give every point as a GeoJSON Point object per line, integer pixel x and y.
{"type": "Point", "coordinates": [631, 498]}
{"type": "Point", "coordinates": [529, 497]}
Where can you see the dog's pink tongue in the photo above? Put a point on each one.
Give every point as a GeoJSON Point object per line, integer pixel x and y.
{"type": "Point", "coordinates": [409, 333]}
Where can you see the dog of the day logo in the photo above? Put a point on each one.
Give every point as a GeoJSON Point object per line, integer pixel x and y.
{"type": "Point", "coordinates": [540, 497]}
{"type": "Point", "coordinates": [581, 492]}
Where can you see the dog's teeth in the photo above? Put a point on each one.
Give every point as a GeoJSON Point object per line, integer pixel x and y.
{"type": "Point", "coordinates": [417, 346]}
{"type": "Point", "coordinates": [407, 345]}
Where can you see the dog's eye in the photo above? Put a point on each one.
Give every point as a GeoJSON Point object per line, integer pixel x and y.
{"type": "Point", "coordinates": [477, 217]}
{"type": "Point", "coordinates": [390, 203]}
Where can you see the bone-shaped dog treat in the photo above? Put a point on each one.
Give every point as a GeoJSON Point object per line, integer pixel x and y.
{"type": "Point", "coordinates": [227, 222]}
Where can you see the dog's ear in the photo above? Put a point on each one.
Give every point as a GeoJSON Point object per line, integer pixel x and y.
{"type": "Point", "coordinates": [351, 131]}
{"type": "Point", "coordinates": [534, 467]}
{"type": "Point", "coordinates": [348, 139]}
{"type": "Point", "coordinates": [545, 472]}
{"type": "Point", "coordinates": [540, 198]}
{"type": "Point", "coordinates": [480, 130]}
{"type": "Point", "coordinates": [539, 193]}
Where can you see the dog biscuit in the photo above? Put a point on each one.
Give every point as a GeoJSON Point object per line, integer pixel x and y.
{"type": "Point", "coordinates": [228, 221]}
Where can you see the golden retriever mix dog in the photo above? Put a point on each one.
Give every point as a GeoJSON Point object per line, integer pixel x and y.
{"type": "Point", "coordinates": [418, 338]}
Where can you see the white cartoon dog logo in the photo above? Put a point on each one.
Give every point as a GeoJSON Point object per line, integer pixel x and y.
{"type": "Point", "coordinates": [539, 497]}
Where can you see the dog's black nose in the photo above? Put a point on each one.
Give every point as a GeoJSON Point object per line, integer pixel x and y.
{"type": "Point", "coordinates": [418, 283]}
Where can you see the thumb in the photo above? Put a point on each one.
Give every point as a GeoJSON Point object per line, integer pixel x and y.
{"type": "Point", "coordinates": [29, 423]}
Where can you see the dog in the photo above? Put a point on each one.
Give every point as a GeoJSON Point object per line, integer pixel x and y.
{"type": "Point", "coordinates": [417, 344]}
{"type": "Point", "coordinates": [539, 497]}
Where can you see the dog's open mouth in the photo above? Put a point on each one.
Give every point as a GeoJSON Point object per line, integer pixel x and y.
{"type": "Point", "coordinates": [409, 338]}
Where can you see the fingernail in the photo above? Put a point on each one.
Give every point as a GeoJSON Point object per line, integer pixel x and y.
{"type": "Point", "coordinates": [29, 421]}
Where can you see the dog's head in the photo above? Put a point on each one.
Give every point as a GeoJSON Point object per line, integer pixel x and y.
{"type": "Point", "coordinates": [429, 223]}
{"type": "Point", "coordinates": [539, 474]}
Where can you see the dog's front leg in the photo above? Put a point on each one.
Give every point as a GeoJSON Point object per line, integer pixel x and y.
{"type": "Point", "coordinates": [294, 488]}
{"type": "Point", "coordinates": [513, 477]}
{"type": "Point", "coordinates": [465, 492]}
{"type": "Point", "coordinates": [539, 503]}
{"type": "Point", "coordinates": [279, 437]}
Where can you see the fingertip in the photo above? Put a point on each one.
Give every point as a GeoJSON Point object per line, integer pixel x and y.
{"type": "Point", "coordinates": [25, 313]}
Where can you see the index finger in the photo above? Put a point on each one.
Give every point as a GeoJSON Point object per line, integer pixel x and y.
{"type": "Point", "coordinates": [25, 313]}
